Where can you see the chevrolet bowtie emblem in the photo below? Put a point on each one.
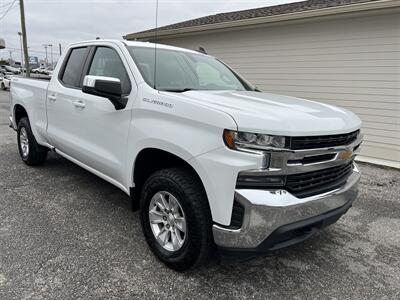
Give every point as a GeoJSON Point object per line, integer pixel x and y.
{"type": "Point", "coordinates": [346, 154]}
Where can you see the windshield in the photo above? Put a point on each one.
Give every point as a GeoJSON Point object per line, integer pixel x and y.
{"type": "Point", "coordinates": [180, 71]}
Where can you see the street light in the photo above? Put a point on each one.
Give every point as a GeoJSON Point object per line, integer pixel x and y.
{"type": "Point", "coordinates": [51, 51]}
{"type": "Point", "coordinates": [45, 48]}
{"type": "Point", "coordinates": [11, 60]}
{"type": "Point", "coordinates": [22, 54]}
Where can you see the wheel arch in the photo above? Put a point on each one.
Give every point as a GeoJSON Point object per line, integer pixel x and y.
{"type": "Point", "coordinates": [19, 113]}
{"type": "Point", "coordinates": [152, 159]}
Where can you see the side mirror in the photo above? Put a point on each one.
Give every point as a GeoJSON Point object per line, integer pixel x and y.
{"type": "Point", "coordinates": [107, 87]}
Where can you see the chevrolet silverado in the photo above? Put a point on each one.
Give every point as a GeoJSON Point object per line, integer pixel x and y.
{"type": "Point", "coordinates": [213, 163]}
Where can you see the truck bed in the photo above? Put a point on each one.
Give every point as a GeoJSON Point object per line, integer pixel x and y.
{"type": "Point", "coordinates": [31, 93]}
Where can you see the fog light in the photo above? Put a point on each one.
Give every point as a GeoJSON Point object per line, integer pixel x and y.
{"type": "Point", "coordinates": [259, 181]}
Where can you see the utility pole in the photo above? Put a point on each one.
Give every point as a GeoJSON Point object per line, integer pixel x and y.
{"type": "Point", "coordinates": [24, 40]}
{"type": "Point", "coordinates": [22, 55]}
{"type": "Point", "coordinates": [45, 49]}
{"type": "Point", "coordinates": [51, 51]}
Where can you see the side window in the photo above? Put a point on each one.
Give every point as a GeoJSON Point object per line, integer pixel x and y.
{"type": "Point", "coordinates": [73, 68]}
{"type": "Point", "coordinates": [106, 62]}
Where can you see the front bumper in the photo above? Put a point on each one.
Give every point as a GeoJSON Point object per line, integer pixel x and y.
{"type": "Point", "coordinates": [276, 219]}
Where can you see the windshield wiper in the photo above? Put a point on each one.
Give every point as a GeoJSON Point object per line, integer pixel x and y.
{"type": "Point", "coordinates": [177, 90]}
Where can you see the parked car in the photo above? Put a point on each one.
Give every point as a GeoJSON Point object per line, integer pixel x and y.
{"type": "Point", "coordinates": [3, 70]}
{"type": "Point", "coordinates": [40, 70]}
{"type": "Point", "coordinates": [5, 83]}
{"type": "Point", "coordinates": [35, 70]}
{"type": "Point", "coordinates": [211, 162]}
{"type": "Point", "coordinates": [48, 70]}
{"type": "Point", "coordinates": [13, 70]}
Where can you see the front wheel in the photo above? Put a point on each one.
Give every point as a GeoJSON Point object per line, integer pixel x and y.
{"type": "Point", "coordinates": [30, 151]}
{"type": "Point", "coordinates": [3, 87]}
{"type": "Point", "coordinates": [176, 218]}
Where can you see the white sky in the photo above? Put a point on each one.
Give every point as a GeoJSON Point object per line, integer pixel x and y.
{"type": "Point", "coordinates": [66, 21]}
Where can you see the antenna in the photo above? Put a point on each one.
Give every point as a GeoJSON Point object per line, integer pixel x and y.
{"type": "Point", "coordinates": [202, 50]}
{"type": "Point", "coordinates": [155, 47]}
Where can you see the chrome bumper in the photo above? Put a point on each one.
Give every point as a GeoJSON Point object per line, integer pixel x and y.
{"type": "Point", "coordinates": [266, 211]}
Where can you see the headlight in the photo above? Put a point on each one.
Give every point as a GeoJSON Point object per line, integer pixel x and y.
{"type": "Point", "coordinates": [238, 139]}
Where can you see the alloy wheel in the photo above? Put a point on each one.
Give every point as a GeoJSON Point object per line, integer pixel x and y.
{"type": "Point", "coordinates": [24, 142]}
{"type": "Point", "coordinates": [167, 221]}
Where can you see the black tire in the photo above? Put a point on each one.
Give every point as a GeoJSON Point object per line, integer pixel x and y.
{"type": "Point", "coordinates": [188, 190]}
{"type": "Point", "coordinates": [37, 154]}
{"type": "Point", "coordinates": [3, 87]}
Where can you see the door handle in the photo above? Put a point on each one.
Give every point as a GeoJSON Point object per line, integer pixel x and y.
{"type": "Point", "coordinates": [52, 98]}
{"type": "Point", "coordinates": [79, 104]}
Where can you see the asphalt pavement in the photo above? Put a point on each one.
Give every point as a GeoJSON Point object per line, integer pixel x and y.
{"type": "Point", "coordinates": [67, 234]}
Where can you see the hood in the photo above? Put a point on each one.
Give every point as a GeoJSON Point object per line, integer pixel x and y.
{"type": "Point", "coordinates": [278, 114]}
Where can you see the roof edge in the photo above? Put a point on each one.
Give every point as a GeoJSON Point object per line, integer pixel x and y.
{"type": "Point", "coordinates": [358, 7]}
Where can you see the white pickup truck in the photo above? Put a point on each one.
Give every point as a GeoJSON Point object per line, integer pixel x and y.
{"type": "Point", "coordinates": [212, 162]}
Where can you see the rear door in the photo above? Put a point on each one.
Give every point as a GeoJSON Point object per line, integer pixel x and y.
{"type": "Point", "coordinates": [61, 94]}
{"type": "Point", "coordinates": [89, 128]}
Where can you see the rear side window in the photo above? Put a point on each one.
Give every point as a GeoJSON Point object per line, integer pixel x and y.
{"type": "Point", "coordinates": [106, 62]}
{"type": "Point", "coordinates": [73, 68]}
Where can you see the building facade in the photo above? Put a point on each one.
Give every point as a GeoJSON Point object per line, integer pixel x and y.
{"type": "Point", "coordinates": [346, 55]}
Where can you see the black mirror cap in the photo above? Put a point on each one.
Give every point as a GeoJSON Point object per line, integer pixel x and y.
{"type": "Point", "coordinates": [108, 89]}
{"type": "Point", "coordinates": [113, 88]}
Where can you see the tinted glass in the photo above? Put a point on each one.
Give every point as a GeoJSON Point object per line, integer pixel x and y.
{"type": "Point", "coordinates": [180, 70]}
{"type": "Point", "coordinates": [73, 68]}
{"type": "Point", "coordinates": [106, 62]}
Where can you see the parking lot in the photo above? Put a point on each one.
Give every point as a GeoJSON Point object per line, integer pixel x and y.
{"type": "Point", "coordinates": [66, 234]}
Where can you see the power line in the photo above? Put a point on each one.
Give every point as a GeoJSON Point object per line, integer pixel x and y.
{"type": "Point", "coordinates": [4, 5]}
{"type": "Point", "coordinates": [8, 9]}
{"type": "Point", "coordinates": [30, 50]}
{"type": "Point", "coordinates": [3, 10]}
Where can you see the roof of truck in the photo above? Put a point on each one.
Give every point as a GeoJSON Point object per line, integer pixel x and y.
{"type": "Point", "coordinates": [159, 46]}
{"type": "Point", "coordinates": [132, 44]}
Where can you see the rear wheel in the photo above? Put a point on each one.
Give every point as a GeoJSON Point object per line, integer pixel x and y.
{"type": "Point", "coordinates": [30, 151]}
{"type": "Point", "coordinates": [176, 219]}
{"type": "Point", "coordinates": [3, 87]}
